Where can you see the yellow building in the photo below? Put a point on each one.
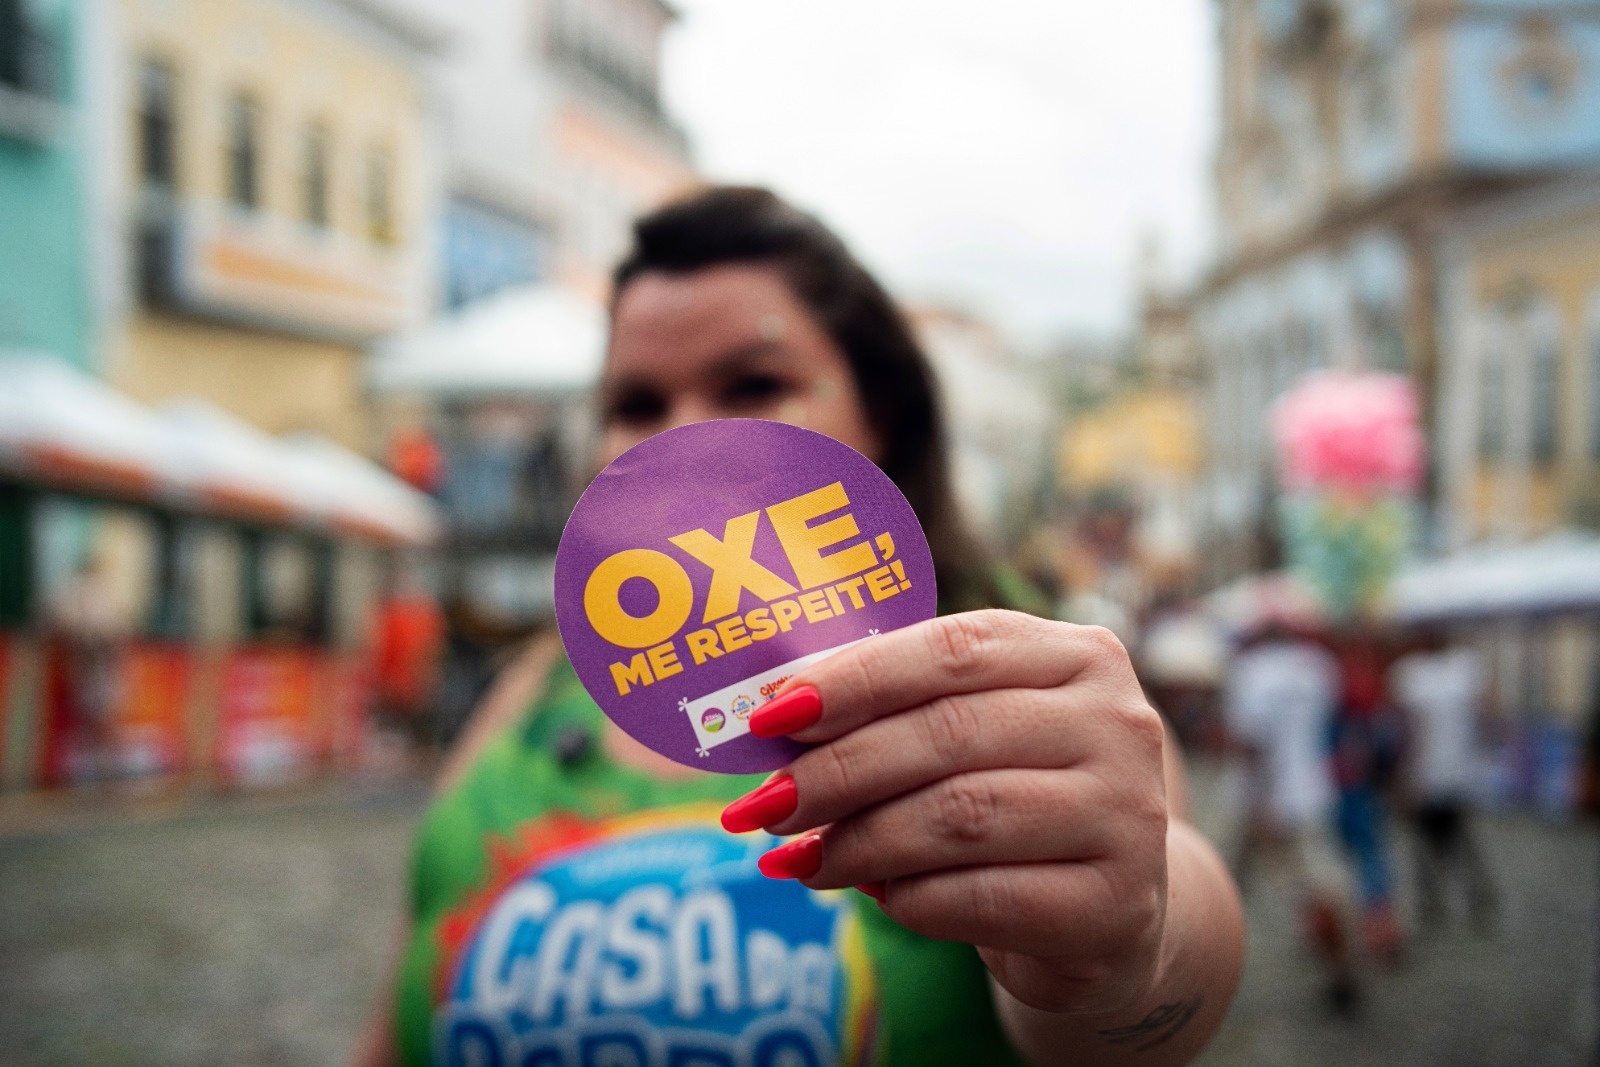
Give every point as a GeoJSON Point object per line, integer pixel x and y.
{"type": "Point", "coordinates": [1519, 414]}
{"type": "Point", "coordinates": [1141, 452]}
{"type": "Point", "coordinates": [277, 199]}
{"type": "Point", "coordinates": [1151, 433]}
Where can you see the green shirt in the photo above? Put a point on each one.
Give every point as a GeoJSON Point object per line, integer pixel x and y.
{"type": "Point", "coordinates": [586, 912]}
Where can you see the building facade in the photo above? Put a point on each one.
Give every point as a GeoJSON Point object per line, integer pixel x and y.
{"type": "Point", "coordinates": [1518, 441]}
{"type": "Point", "coordinates": [999, 423]}
{"type": "Point", "coordinates": [613, 151]}
{"type": "Point", "coordinates": [1356, 136]}
{"type": "Point", "coordinates": [47, 302]}
{"type": "Point", "coordinates": [275, 199]}
{"type": "Point", "coordinates": [1414, 186]}
{"type": "Point", "coordinates": [554, 139]}
{"type": "Point", "coordinates": [1518, 426]}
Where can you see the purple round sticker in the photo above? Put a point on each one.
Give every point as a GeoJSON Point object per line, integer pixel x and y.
{"type": "Point", "coordinates": [706, 565]}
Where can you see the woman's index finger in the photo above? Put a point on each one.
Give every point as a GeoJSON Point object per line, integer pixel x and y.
{"type": "Point", "coordinates": [964, 653]}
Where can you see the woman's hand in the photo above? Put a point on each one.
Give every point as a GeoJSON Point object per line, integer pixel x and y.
{"type": "Point", "coordinates": [993, 778]}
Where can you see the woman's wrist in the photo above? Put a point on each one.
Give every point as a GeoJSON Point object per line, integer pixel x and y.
{"type": "Point", "coordinates": [1189, 988]}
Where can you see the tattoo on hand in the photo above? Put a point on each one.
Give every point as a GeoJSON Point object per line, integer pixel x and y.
{"type": "Point", "coordinates": [1158, 1027]}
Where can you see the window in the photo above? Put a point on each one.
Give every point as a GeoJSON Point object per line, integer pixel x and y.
{"type": "Point", "coordinates": [29, 57]}
{"type": "Point", "coordinates": [172, 597]}
{"type": "Point", "coordinates": [244, 151]}
{"type": "Point", "coordinates": [1545, 355]}
{"type": "Point", "coordinates": [485, 251]}
{"type": "Point", "coordinates": [12, 29]}
{"type": "Point", "coordinates": [1520, 385]}
{"type": "Point", "coordinates": [1279, 359]}
{"type": "Point", "coordinates": [1492, 392]}
{"type": "Point", "coordinates": [1542, 75]}
{"type": "Point", "coordinates": [1594, 383]}
{"type": "Point", "coordinates": [380, 196]}
{"type": "Point", "coordinates": [314, 175]}
{"type": "Point", "coordinates": [157, 141]}
{"type": "Point", "coordinates": [1385, 337]}
{"type": "Point", "coordinates": [287, 582]}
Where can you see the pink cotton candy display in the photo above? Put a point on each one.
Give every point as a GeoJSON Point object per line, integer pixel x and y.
{"type": "Point", "coordinates": [1355, 433]}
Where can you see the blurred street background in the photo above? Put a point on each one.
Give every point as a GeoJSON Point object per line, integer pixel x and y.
{"type": "Point", "coordinates": [253, 932]}
{"type": "Point", "coordinates": [1269, 330]}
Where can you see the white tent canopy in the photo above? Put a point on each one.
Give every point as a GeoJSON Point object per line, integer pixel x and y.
{"type": "Point", "coordinates": [535, 339]}
{"type": "Point", "coordinates": [1554, 574]}
{"type": "Point", "coordinates": [55, 417]}
{"type": "Point", "coordinates": [313, 477]}
{"type": "Point", "coordinates": [353, 492]}
{"type": "Point", "coordinates": [62, 427]}
{"type": "Point", "coordinates": [231, 459]}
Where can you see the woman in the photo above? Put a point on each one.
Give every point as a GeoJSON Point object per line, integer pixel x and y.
{"type": "Point", "coordinates": [994, 784]}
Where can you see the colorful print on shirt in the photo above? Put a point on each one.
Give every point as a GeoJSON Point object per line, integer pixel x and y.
{"type": "Point", "coordinates": [650, 940]}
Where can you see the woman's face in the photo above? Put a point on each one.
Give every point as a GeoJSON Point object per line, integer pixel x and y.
{"type": "Point", "coordinates": [724, 342]}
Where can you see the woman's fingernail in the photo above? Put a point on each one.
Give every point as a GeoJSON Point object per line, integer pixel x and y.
{"type": "Point", "coordinates": [763, 806]}
{"type": "Point", "coordinates": [787, 712]}
{"type": "Point", "coordinates": [874, 890]}
{"type": "Point", "coordinates": [800, 858]}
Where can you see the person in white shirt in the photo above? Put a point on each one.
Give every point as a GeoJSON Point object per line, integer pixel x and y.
{"type": "Point", "coordinates": [1440, 688]}
{"type": "Point", "coordinates": [1281, 696]}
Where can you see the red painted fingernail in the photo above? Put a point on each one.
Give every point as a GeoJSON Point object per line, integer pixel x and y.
{"type": "Point", "coordinates": [800, 858]}
{"type": "Point", "coordinates": [762, 806]}
{"type": "Point", "coordinates": [875, 890]}
{"type": "Point", "coordinates": [787, 712]}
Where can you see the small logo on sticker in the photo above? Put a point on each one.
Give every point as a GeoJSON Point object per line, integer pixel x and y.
{"type": "Point", "coordinates": [711, 720]}
{"type": "Point", "coordinates": [743, 706]}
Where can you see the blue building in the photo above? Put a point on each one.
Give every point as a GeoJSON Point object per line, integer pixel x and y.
{"type": "Point", "coordinates": [486, 248]}
{"type": "Point", "coordinates": [46, 300]}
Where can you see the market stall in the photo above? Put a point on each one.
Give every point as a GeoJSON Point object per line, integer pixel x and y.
{"type": "Point", "coordinates": [180, 593]}
{"type": "Point", "coordinates": [1555, 575]}
{"type": "Point", "coordinates": [1531, 609]}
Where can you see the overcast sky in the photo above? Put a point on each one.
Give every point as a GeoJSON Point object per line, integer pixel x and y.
{"type": "Point", "coordinates": [1003, 156]}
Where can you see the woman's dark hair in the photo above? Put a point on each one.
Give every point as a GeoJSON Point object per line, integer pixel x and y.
{"type": "Point", "coordinates": [735, 224]}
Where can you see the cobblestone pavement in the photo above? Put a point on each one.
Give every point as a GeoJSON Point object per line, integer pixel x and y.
{"type": "Point", "coordinates": [1522, 996]}
{"type": "Point", "coordinates": [254, 934]}
{"type": "Point", "coordinates": [242, 934]}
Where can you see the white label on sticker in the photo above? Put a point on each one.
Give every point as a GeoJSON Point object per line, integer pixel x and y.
{"type": "Point", "coordinates": [720, 717]}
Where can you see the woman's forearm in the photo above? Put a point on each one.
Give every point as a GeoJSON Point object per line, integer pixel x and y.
{"type": "Point", "coordinates": [1202, 954]}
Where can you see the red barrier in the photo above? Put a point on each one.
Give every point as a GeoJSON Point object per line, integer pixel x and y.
{"type": "Point", "coordinates": [139, 725]}
{"type": "Point", "coordinates": [149, 732]}
{"type": "Point", "coordinates": [266, 728]}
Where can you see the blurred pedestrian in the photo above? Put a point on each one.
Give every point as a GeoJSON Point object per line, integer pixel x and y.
{"type": "Point", "coordinates": [410, 639]}
{"type": "Point", "coordinates": [1366, 743]}
{"type": "Point", "coordinates": [1280, 700]}
{"type": "Point", "coordinates": [1440, 689]}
